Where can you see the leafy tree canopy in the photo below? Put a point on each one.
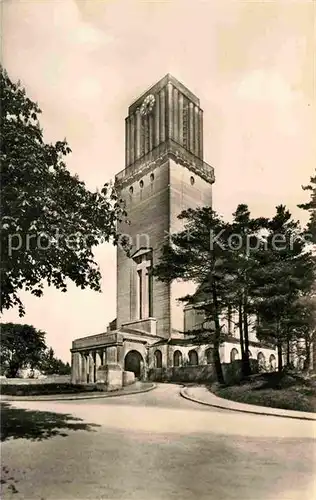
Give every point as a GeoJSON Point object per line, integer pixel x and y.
{"type": "Point", "coordinates": [51, 365]}
{"type": "Point", "coordinates": [21, 346]}
{"type": "Point", "coordinates": [50, 220]}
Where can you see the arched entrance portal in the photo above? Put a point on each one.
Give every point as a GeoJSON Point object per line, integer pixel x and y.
{"type": "Point", "coordinates": [134, 362]}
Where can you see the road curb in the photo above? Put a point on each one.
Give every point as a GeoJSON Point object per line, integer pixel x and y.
{"type": "Point", "coordinates": [100, 395]}
{"type": "Point", "coordinates": [260, 410]}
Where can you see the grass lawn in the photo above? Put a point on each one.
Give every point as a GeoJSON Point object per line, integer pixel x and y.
{"type": "Point", "coordinates": [289, 391]}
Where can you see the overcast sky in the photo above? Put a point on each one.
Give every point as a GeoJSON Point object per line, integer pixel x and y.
{"type": "Point", "coordinates": [85, 61]}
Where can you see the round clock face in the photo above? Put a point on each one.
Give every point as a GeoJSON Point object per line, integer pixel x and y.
{"type": "Point", "coordinates": [147, 105]}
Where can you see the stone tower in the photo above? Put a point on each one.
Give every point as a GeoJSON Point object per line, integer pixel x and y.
{"type": "Point", "coordinates": [164, 174]}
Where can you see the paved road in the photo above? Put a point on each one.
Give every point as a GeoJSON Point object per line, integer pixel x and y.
{"type": "Point", "coordinates": [164, 396]}
{"type": "Point", "coordinates": [153, 446]}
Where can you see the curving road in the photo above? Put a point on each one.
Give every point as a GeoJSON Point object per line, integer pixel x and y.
{"type": "Point", "coordinates": [153, 446]}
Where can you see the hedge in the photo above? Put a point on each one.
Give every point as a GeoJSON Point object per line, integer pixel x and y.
{"type": "Point", "coordinates": [43, 389]}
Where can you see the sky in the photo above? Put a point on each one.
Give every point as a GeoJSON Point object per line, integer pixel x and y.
{"type": "Point", "coordinates": [85, 61]}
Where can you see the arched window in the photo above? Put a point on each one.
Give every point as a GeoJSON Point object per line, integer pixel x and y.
{"type": "Point", "coordinates": [193, 358]}
{"type": "Point", "coordinates": [261, 361]}
{"type": "Point", "coordinates": [301, 363]}
{"type": "Point", "coordinates": [158, 359]}
{"type": "Point", "coordinates": [272, 362]}
{"type": "Point", "coordinates": [233, 355]}
{"type": "Point", "coordinates": [209, 356]}
{"type": "Point", "coordinates": [177, 358]}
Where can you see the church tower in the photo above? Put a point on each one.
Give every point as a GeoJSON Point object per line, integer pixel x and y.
{"type": "Point", "coordinates": [164, 174]}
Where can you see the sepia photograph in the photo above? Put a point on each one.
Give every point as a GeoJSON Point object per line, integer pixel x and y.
{"type": "Point", "coordinates": [158, 249]}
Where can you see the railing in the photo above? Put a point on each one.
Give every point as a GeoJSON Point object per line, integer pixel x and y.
{"type": "Point", "coordinates": [169, 147]}
{"type": "Point", "coordinates": [148, 158]}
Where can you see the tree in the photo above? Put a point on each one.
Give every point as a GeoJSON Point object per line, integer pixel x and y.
{"type": "Point", "coordinates": [305, 324]}
{"type": "Point", "coordinates": [284, 273]}
{"type": "Point", "coordinates": [197, 254]}
{"type": "Point", "coordinates": [51, 365]}
{"type": "Point", "coordinates": [22, 346]}
{"type": "Point", "coordinates": [50, 220]}
{"type": "Point", "coordinates": [310, 206]}
{"type": "Point", "coordinates": [244, 242]}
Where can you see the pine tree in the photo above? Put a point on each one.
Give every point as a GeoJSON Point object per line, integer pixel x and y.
{"type": "Point", "coordinates": [305, 324]}
{"type": "Point", "coordinates": [197, 254]}
{"type": "Point", "coordinates": [311, 208]}
{"type": "Point", "coordinates": [285, 272]}
{"type": "Point", "coordinates": [244, 242]}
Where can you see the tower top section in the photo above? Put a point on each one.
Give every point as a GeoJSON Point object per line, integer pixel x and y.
{"type": "Point", "coordinates": [157, 87]}
{"type": "Point", "coordinates": [165, 121]}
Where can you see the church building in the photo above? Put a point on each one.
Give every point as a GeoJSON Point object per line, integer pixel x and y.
{"type": "Point", "coordinates": [164, 174]}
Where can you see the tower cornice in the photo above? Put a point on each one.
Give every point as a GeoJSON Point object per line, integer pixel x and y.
{"type": "Point", "coordinates": [169, 150]}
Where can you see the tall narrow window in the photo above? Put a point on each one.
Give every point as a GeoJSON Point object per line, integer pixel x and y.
{"type": "Point", "coordinates": [144, 285]}
{"type": "Point", "coordinates": [185, 125]}
{"type": "Point", "coordinates": [140, 293]}
{"type": "Point", "coordinates": [158, 359]}
{"type": "Point", "coordinates": [261, 361]}
{"type": "Point", "coordinates": [233, 355]}
{"type": "Point", "coordinates": [150, 291]}
{"type": "Point", "coordinates": [193, 357]}
{"type": "Point", "coordinates": [177, 358]}
{"type": "Point", "coordinates": [209, 356]}
{"type": "Point", "coordinates": [142, 139]}
{"type": "Point", "coordinates": [147, 140]}
{"type": "Point", "coordinates": [145, 136]}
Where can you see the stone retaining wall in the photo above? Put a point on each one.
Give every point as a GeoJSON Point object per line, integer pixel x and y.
{"type": "Point", "coordinates": [199, 374]}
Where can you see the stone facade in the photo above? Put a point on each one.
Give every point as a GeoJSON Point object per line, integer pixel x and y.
{"type": "Point", "coordinates": [90, 354]}
{"type": "Point", "coordinates": [164, 174]}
